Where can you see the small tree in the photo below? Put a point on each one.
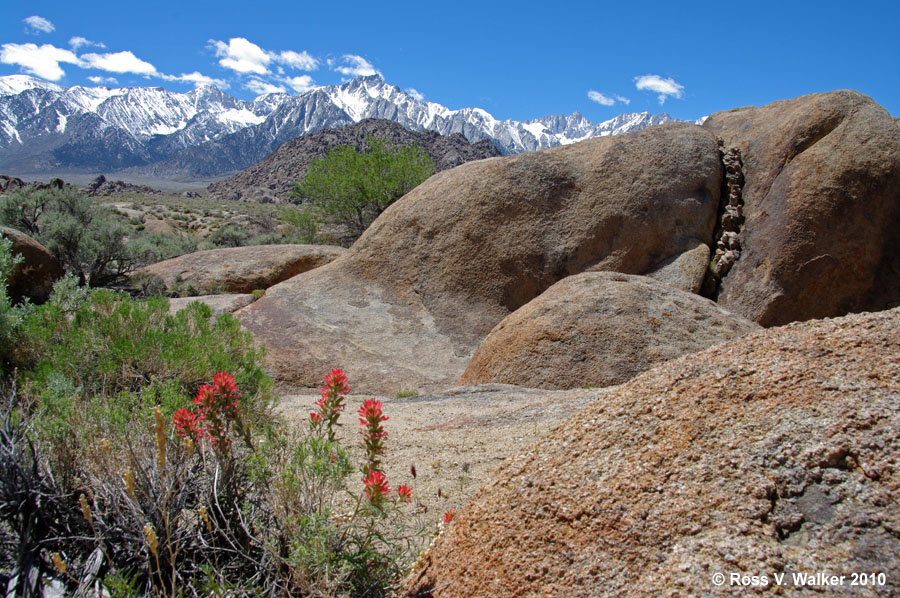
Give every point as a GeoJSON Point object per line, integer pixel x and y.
{"type": "Point", "coordinates": [355, 187]}
{"type": "Point", "coordinates": [86, 238]}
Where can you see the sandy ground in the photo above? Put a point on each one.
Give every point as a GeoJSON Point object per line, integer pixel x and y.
{"type": "Point", "coordinates": [452, 440]}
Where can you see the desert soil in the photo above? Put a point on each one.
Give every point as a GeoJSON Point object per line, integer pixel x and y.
{"type": "Point", "coordinates": [453, 439]}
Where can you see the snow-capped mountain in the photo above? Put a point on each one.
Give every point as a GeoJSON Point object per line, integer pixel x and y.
{"type": "Point", "coordinates": [206, 132]}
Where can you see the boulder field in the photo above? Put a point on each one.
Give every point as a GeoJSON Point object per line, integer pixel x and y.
{"type": "Point", "coordinates": [781, 213]}
{"type": "Point", "coordinates": [413, 297]}
{"type": "Point", "coordinates": [776, 453]}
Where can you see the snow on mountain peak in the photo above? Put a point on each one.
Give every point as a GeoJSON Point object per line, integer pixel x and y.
{"type": "Point", "coordinates": [16, 84]}
{"type": "Point", "coordinates": [149, 125]}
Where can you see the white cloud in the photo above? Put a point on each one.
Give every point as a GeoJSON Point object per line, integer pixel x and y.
{"type": "Point", "coordinates": [298, 60]}
{"type": "Point", "coordinates": [301, 83]}
{"type": "Point", "coordinates": [197, 78]}
{"type": "Point", "coordinates": [354, 66]}
{"type": "Point", "coordinates": [78, 41]}
{"type": "Point", "coordinates": [98, 80]}
{"type": "Point", "coordinates": [118, 62]}
{"type": "Point", "coordinates": [664, 87]}
{"type": "Point", "coordinates": [606, 100]}
{"type": "Point", "coordinates": [261, 87]}
{"type": "Point", "coordinates": [41, 61]}
{"type": "Point", "coordinates": [242, 55]}
{"type": "Point", "coordinates": [411, 91]}
{"type": "Point", "coordinates": [596, 96]}
{"type": "Point", "coordinates": [35, 25]}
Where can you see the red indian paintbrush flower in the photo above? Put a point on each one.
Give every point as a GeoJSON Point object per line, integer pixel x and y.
{"type": "Point", "coordinates": [331, 403]}
{"type": "Point", "coordinates": [189, 424]}
{"type": "Point", "coordinates": [370, 415]}
{"type": "Point", "coordinates": [336, 381]}
{"type": "Point", "coordinates": [370, 418]}
{"type": "Point", "coordinates": [404, 493]}
{"type": "Point", "coordinates": [218, 411]}
{"type": "Point", "coordinates": [376, 487]}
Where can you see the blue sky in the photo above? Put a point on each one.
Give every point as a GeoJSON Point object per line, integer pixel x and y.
{"type": "Point", "coordinates": [516, 60]}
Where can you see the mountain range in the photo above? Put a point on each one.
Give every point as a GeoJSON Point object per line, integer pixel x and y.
{"type": "Point", "coordinates": [206, 133]}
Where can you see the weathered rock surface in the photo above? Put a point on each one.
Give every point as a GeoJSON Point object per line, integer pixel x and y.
{"type": "Point", "coordinates": [10, 183]}
{"type": "Point", "coordinates": [34, 276]}
{"type": "Point", "coordinates": [821, 207]}
{"type": "Point", "coordinates": [599, 329]}
{"type": "Point", "coordinates": [774, 453]}
{"type": "Point", "coordinates": [220, 304]}
{"type": "Point", "coordinates": [101, 186]}
{"type": "Point", "coordinates": [241, 269]}
{"type": "Point", "coordinates": [685, 271]}
{"type": "Point", "coordinates": [410, 301]}
{"type": "Point", "coordinates": [272, 179]}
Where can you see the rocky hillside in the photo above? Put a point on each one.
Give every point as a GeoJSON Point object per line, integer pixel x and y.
{"type": "Point", "coordinates": [272, 179]}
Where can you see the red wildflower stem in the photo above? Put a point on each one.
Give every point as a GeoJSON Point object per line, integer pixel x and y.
{"type": "Point", "coordinates": [370, 418]}
{"type": "Point", "coordinates": [331, 403]}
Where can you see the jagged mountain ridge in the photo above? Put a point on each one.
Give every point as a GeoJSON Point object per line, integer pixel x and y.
{"type": "Point", "coordinates": [206, 133]}
{"type": "Point", "coordinates": [272, 179]}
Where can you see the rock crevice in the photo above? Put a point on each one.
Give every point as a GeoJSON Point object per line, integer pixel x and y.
{"type": "Point", "coordinates": [730, 220]}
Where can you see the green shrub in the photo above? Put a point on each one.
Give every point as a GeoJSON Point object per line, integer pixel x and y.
{"type": "Point", "coordinates": [112, 344]}
{"type": "Point", "coordinates": [355, 187]}
{"type": "Point", "coordinates": [11, 316]}
{"type": "Point", "coordinates": [202, 503]}
{"type": "Point", "coordinates": [301, 226]}
{"type": "Point", "coordinates": [150, 248]}
{"type": "Point", "coordinates": [87, 239]}
{"type": "Point", "coordinates": [149, 285]}
{"type": "Point", "coordinates": [229, 236]}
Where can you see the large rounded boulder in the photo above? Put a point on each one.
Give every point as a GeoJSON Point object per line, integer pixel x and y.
{"type": "Point", "coordinates": [821, 208]}
{"type": "Point", "coordinates": [410, 301]}
{"type": "Point", "coordinates": [599, 329]}
{"type": "Point", "coordinates": [33, 278]}
{"type": "Point", "coordinates": [772, 455]}
{"type": "Point", "coordinates": [240, 269]}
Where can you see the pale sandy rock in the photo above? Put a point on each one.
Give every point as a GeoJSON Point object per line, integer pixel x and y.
{"type": "Point", "coordinates": [599, 329]}
{"type": "Point", "coordinates": [241, 269]}
{"type": "Point", "coordinates": [686, 270]}
{"type": "Point", "coordinates": [220, 304]}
